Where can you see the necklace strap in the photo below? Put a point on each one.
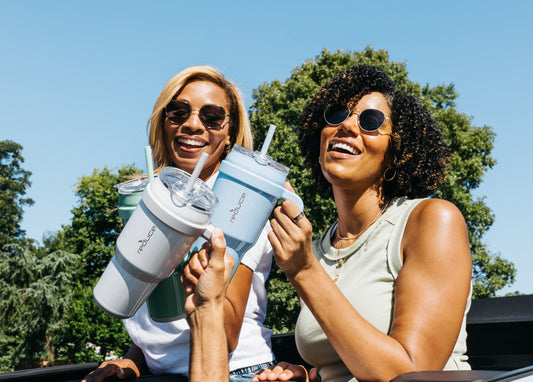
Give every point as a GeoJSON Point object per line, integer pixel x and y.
{"type": "Point", "coordinates": [337, 236]}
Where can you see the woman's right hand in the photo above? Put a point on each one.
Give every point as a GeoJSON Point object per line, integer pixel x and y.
{"type": "Point", "coordinates": [284, 371]}
{"type": "Point", "coordinates": [292, 239]}
{"type": "Point", "coordinates": [119, 368]}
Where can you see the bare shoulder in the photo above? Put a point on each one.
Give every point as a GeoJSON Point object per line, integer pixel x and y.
{"type": "Point", "coordinates": [436, 226]}
{"type": "Point", "coordinates": [436, 212]}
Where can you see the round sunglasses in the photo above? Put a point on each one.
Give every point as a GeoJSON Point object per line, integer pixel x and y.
{"type": "Point", "coordinates": [212, 116]}
{"type": "Point", "coordinates": [369, 119]}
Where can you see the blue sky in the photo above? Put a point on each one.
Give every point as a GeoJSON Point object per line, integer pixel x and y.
{"type": "Point", "coordinates": [78, 80]}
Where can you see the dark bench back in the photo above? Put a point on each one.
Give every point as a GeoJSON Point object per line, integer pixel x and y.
{"type": "Point", "coordinates": [500, 335]}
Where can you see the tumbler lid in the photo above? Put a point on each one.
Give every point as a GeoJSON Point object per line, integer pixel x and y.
{"type": "Point", "coordinates": [200, 195]}
{"type": "Point", "coordinates": [131, 186]}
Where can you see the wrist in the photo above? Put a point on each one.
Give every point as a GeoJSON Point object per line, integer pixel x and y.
{"type": "Point", "coordinates": [307, 272]}
{"type": "Point", "coordinates": [207, 313]}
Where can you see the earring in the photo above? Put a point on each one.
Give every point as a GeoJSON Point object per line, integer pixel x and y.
{"type": "Point", "coordinates": [389, 177]}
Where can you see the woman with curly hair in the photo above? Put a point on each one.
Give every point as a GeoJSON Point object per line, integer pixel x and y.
{"type": "Point", "coordinates": [385, 290]}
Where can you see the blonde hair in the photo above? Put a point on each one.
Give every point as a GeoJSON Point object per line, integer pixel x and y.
{"type": "Point", "coordinates": [240, 131]}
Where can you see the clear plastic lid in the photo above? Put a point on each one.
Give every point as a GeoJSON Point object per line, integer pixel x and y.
{"type": "Point", "coordinates": [200, 196]}
{"type": "Point", "coordinates": [262, 159]}
{"type": "Point", "coordinates": [132, 186]}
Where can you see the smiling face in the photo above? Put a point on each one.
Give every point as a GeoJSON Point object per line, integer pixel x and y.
{"type": "Point", "coordinates": [187, 141]}
{"type": "Point", "coordinates": [351, 157]}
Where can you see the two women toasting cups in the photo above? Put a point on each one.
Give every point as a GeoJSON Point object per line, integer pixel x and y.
{"type": "Point", "coordinates": [385, 290]}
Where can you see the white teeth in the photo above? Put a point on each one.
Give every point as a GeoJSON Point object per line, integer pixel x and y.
{"type": "Point", "coordinates": [344, 146]}
{"type": "Point", "coordinates": [191, 142]}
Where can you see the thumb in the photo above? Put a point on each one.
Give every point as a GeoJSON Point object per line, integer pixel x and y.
{"type": "Point", "coordinates": [218, 247]}
{"type": "Point", "coordinates": [219, 257]}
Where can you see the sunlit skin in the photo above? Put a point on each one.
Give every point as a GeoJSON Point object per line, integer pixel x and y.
{"type": "Point", "coordinates": [187, 142]}
{"type": "Point", "coordinates": [432, 287]}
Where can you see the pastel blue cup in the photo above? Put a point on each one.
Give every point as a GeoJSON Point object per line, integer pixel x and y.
{"type": "Point", "coordinates": [248, 186]}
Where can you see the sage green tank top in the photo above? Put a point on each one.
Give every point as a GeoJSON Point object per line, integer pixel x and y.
{"type": "Point", "coordinates": [367, 278]}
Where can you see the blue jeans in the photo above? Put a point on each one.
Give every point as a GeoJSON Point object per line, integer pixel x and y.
{"type": "Point", "coordinates": [247, 373]}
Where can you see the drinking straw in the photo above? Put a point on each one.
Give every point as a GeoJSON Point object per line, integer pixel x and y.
{"type": "Point", "coordinates": [268, 139]}
{"type": "Point", "coordinates": [149, 163]}
{"type": "Point", "coordinates": [197, 169]}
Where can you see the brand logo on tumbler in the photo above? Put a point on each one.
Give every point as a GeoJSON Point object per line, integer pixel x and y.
{"type": "Point", "coordinates": [236, 210]}
{"type": "Point", "coordinates": [145, 241]}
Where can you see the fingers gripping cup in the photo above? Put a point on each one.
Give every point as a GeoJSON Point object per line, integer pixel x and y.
{"type": "Point", "coordinates": [173, 212]}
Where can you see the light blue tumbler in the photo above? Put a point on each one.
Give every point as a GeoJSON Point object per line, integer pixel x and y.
{"type": "Point", "coordinates": [248, 186]}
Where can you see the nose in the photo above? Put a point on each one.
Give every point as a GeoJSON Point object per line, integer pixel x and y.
{"type": "Point", "coordinates": [194, 123]}
{"type": "Point", "coordinates": [350, 125]}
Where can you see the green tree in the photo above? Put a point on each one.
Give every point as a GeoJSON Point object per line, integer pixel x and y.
{"type": "Point", "coordinates": [14, 181]}
{"type": "Point", "coordinates": [89, 334]}
{"type": "Point", "coordinates": [35, 291]}
{"type": "Point", "coordinates": [281, 103]}
{"type": "Point", "coordinates": [95, 223]}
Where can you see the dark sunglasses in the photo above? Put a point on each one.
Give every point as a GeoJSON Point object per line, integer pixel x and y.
{"type": "Point", "coordinates": [369, 119]}
{"type": "Point", "coordinates": [212, 116]}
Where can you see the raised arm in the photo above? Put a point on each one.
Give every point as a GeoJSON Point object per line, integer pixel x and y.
{"type": "Point", "coordinates": [205, 315]}
{"type": "Point", "coordinates": [236, 296]}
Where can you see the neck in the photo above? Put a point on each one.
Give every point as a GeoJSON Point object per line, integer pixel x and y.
{"type": "Point", "coordinates": [356, 212]}
{"type": "Point", "coordinates": [207, 172]}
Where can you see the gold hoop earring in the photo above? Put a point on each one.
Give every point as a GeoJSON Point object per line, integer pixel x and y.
{"type": "Point", "coordinates": [389, 177]}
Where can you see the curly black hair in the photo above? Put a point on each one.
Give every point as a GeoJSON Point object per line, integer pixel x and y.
{"type": "Point", "coordinates": [417, 152]}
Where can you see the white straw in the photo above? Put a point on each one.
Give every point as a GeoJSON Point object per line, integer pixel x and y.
{"type": "Point", "coordinates": [149, 163]}
{"type": "Point", "coordinates": [268, 139]}
{"type": "Point", "coordinates": [196, 173]}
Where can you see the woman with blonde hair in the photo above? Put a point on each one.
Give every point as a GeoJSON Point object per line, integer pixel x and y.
{"type": "Point", "coordinates": [240, 132]}
{"type": "Point", "coordinates": [199, 111]}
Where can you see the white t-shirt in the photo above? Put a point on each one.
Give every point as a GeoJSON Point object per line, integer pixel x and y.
{"type": "Point", "coordinates": [166, 345]}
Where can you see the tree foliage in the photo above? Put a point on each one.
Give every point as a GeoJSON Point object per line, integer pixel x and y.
{"type": "Point", "coordinates": [88, 333]}
{"type": "Point", "coordinates": [95, 223]}
{"type": "Point", "coordinates": [34, 296]}
{"type": "Point", "coordinates": [14, 181]}
{"type": "Point", "coordinates": [47, 310]}
{"type": "Point", "coordinates": [281, 104]}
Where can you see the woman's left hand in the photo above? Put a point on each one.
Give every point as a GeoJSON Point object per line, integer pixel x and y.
{"type": "Point", "coordinates": [292, 239]}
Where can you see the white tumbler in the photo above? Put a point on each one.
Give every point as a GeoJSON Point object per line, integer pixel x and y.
{"type": "Point", "coordinates": [169, 218]}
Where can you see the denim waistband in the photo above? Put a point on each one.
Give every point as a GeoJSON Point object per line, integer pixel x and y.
{"type": "Point", "coordinates": [252, 369]}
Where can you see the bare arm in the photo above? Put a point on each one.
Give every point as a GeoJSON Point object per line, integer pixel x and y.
{"type": "Point", "coordinates": [205, 315]}
{"type": "Point", "coordinates": [236, 296]}
{"type": "Point", "coordinates": [430, 295]}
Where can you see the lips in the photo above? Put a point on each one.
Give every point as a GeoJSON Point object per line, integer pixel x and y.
{"type": "Point", "coordinates": [343, 147]}
{"type": "Point", "coordinates": [190, 143]}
